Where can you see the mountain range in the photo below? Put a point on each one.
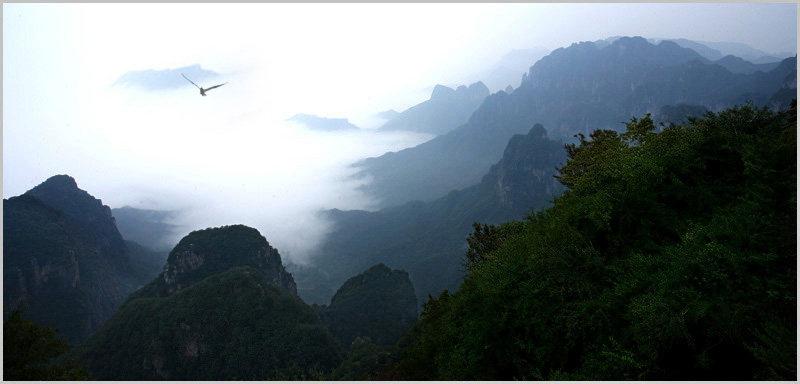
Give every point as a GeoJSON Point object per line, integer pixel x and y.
{"type": "Point", "coordinates": [540, 286]}
{"type": "Point", "coordinates": [572, 90]}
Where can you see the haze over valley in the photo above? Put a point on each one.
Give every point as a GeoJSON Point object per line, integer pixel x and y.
{"type": "Point", "coordinates": [359, 178]}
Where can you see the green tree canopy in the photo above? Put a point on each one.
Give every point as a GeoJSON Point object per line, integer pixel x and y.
{"type": "Point", "coordinates": [672, 256]}
{"type": "Point", "coordinates": [33, 352]}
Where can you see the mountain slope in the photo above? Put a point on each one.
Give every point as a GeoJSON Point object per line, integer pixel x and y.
{"type": "Point", "coordinates": [573, 90]}
{"type": "Point", "coordinates": [233, 325]}
{"type": "Point", "coordinates": [63, 256]}
{"type": "Point", "coordinates": [428, 239]}
{"type": "Point", "coordinates": [673, 256]}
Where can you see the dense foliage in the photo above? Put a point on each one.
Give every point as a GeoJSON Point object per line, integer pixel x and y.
{"type": "Point", "coordinates": [234, 325]}
{"type": "Point", "coordinates": [378, 305]}
{"type": "Point", "coordinates": [672, 256]}
{"type": "Point", "coordinates": [33, 352]}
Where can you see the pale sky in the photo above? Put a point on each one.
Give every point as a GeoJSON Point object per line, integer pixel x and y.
{"type": "Point", "coordinates": [229, 158]}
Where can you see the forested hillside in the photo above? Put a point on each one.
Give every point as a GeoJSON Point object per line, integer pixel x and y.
{"type": "Point", "coordinates": [672, 256]}
{"type": "Point", "coordinates": [223, 309]}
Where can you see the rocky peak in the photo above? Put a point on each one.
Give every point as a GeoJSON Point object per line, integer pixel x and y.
{"type": "Point", "coordinates": [203, 253]}
{"type": "Point", "coordinates": [478, 90]}
{"type": "Point", "coordinates": [442, 92]}
{"type": "Point", "coordinates": [525, 173]}
{"type": "Point", "coordinates": [91, 221]}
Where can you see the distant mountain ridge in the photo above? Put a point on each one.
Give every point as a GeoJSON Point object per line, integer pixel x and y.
{"type": "Point", "coordinates": [446, 109]}
{"type": "Point", "coordinates": [164, 79]}
{"type": "Point", "coordinates": [324, 124]}
{"type": "Point", "coordinates": [508, 71]}
{"type": "Point", "coordinates": [147, 227]}
{"type": "Point", "coordinates": [572, 90]}
{"type": "Point", "coordinates": [714, 51]}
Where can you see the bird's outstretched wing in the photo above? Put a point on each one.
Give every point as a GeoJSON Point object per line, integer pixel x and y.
{"type": "Point", "coordinates": [219, 85]}
{"type": "Point", "coordinates": [184, 76]}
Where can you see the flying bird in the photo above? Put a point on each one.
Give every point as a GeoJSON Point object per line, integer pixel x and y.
{"type": "Point", "coordinates": [203, 90]}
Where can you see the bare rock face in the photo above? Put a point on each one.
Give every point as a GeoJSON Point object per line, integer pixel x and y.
{"type": "Point", "coordinates": [214, 250]}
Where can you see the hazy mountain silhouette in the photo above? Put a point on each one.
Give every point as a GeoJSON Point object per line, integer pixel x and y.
{"type": "Point", "coordinates": [324, 124]}
{"type": "Point", "coordinates": [428, 239]}
{"type": "Point", "coordinates": [146, 227]}
{"type": "Point", "coordinates": [164, 79]}
{"type": "Point", "coordinates": [573, 90]}
{"type": "Point", "coordinates": [509, 69]}
{"type": "Point", "coordinates": [445, 110]}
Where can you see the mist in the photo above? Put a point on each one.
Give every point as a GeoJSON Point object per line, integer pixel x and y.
{"type": "Point", "coordinates": [217, 160]}
{"type": "Point", "coordinates": [231, 157]}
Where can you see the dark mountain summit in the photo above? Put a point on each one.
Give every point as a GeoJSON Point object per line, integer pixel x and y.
{"type": "Point", "coordinates": [445, 110]}
{"type": "Point", "coordinates": [378, 305]}
{"type": "Point", "coordinates": [63, 256]}
{"type": "Point", "coordinates": [206, 252]}
{"type": "Point", "coordinates": [92, 220]}
{"type": "Point", "coordinates": [573, 90]}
